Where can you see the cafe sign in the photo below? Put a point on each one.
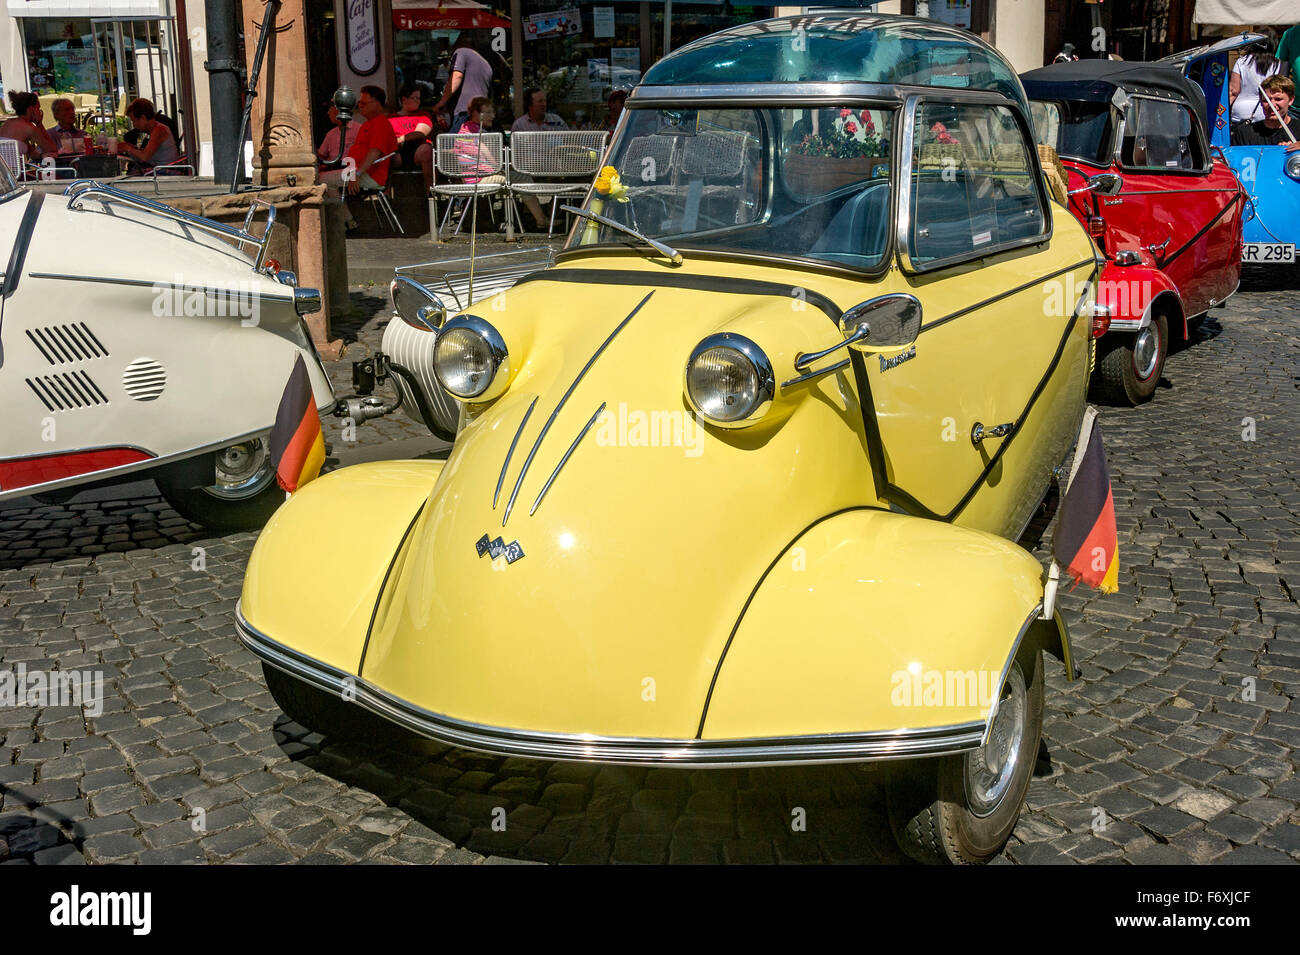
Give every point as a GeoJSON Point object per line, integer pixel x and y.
{"type": "Point", "coordinates": [362, 36]}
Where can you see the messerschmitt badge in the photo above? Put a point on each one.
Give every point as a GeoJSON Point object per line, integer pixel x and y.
{"type": "Point", "coordinates": [499, 548]}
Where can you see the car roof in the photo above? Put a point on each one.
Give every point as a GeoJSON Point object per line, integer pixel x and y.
{"type": "Point", "coordinates": [850, 47]}
{"type": "Point", "coordinates": [1097, 80]}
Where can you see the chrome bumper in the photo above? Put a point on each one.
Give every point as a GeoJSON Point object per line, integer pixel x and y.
{"type": "Point", "coordinates": [633, 751]}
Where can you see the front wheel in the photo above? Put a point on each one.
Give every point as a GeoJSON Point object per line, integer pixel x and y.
{"type": "Point", "coordinates": [960, 810]}
{"type": "Point", "coordinates": [244, 496]}
{"type": "Point", "coordinates": [1129, 367]}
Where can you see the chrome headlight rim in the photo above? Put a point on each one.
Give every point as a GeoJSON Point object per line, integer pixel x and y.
{"type": "Point", "coordinates": [1291, 166]}
{"type": "Point", "coordinates": [496, 352]}
{"type": "Point", "coordinates": [764, 373]}
{"type": "Point", "coordinates": [416, 305]}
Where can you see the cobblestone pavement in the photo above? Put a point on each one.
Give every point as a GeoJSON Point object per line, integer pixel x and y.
{"type": "Point", "coordinates": [1160, 754]}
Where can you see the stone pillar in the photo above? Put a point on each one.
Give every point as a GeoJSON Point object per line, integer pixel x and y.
{"type": "Point", "coordinates": [281, 131]}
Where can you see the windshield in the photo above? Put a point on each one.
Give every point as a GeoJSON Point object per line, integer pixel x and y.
{"type": "Point", "coordinates": [1080, 130]}
{"type": "Point", "coordinates": [807, 182]}
{"type": "Point", "coordinates": [7, 182]}
{"type": "Point", "coordinates": [1075, 129]}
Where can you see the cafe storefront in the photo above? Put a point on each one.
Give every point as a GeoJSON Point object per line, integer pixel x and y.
{"type": "Point", "coordinates": [102, 54]}
{"type": "Point", "coordinates": [578, 52]}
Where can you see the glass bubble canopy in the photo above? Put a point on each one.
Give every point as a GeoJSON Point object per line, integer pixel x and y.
{"type": "Point", "coordinates": [841, 48]}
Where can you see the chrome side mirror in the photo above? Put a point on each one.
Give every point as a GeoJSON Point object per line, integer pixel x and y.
{"type": "Point", "coordinates": [887, 323]}
{"type": "Point", "coordinates": [1104, 184]}
{"type": "Point", "coordinates": [416, 305]}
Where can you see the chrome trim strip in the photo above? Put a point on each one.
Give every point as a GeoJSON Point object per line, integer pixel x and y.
{"type": "Point", "coordinates": [565, 397]}
{"type": "Point", "coordinates": [816, 373]}
{"type": "Point", "coordinates": [145, 283]}
{"type": "Point", "coordinates": [748, 94]}
{"type": "Point", "coordinates": [635, 751]}
{"type": "Point", "coordinates": [564, 460]}
{"type": "Point", "coordinates": [506, 463]}
{"type": "Point", "coordinates": [82, 189]}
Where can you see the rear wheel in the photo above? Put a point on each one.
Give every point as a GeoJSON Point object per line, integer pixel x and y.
{"type": "Point", "coordinates": [244, 496]}
{"type": "Point", "coordinates": [960, 810]}
{"type": "Point", "coordinates": [1129, 367]}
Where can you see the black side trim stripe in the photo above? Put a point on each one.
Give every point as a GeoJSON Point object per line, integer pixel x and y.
{"type": "Point", "coordinates": [18, 254]}
{"type": "Point", "coordinates": [704, 283]}
{"type": "Point", "coordinates": [875, 447]}
{"type": "Point", "coordinates": [740, 618]}
{"type": "Point", "coordinates": [383, 584]}
{"type": "Point", "coordinates": [1204, 229]}
{"type": "Point", "coordinates": [1015, 291]}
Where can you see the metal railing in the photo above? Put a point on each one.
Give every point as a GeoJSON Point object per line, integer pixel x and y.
{"type": "Point", "coordinates": [90, 188]}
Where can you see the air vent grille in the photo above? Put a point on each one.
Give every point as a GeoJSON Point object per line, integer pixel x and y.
{"type": "Point", "coordinates": [67, 391]}
{"type": "Point", "coordinates": [61, 344]}
{"type": "Point", "coordinates": [144, 379]}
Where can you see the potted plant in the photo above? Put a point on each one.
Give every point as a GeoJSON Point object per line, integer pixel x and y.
{"type": "Point", "coordinates": [850, 150]}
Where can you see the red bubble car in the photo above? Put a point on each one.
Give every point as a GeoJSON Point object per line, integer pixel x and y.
{"type": "Point", "coordinates": [1163, 207]}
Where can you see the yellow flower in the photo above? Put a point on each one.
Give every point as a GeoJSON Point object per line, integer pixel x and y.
{"type": "Point", "coordinates": [609, 184]}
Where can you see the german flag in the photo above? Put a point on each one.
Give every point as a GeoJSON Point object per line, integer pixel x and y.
{"type": "Point", "coordinates": [297, 445]}
{"type": "Point", "coordinates": [1085, 544]}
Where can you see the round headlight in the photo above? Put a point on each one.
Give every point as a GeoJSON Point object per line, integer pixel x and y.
{"type": "Point", "coordinates": [729, 381]}
{"type": "Point", "coordinates": [1292, 166]}
{"type": "Point", "coordinates": [470, 359]}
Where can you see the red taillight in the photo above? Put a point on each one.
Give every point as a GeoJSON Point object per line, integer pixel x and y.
{"type": "Point", "coordinates": [1096, 226]}
{"type": "Point", "coordinates": [271, 266]}
{"type": "Point", "coordinates": [1100, 320]}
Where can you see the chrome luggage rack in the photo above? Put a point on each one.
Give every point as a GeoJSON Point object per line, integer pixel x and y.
{"type": "Point", "coordinates": [467, 281]}
{"type": "Point", "coordinates": [90, 188]}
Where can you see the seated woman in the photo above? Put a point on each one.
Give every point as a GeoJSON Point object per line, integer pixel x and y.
{"type": "Point", "coordinates": [159, 147]}
{"type": "Point", "coordinates": [411, 124]}
{"type": "Point", "coordinates": [27, 126]}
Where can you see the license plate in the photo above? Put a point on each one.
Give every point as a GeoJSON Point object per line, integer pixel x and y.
{"type": "Point", "coordinates": [1267, 252]}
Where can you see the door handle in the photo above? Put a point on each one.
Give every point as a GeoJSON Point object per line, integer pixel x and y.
{"type": "Point", "coordinates": [979, 432]}
{"type": "Point", "coordinates": [1157, 249]}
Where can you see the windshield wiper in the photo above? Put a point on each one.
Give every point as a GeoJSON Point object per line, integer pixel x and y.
{"type": "Point", "coordinates": [667, 251]}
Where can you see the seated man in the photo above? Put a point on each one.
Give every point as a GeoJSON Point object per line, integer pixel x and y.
{"type": "Point", "coordinates": [329, 151]}
{"type": "Point", "coordinates": [65, 132]}
{"type": "Point", "coordinates": [1277, 93]}
{"type": "Point", "coordinates": [375, 140]}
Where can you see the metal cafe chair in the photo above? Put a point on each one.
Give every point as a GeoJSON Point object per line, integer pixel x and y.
{"type": "Point", "coordinates": [11, 155]}
{"type": "Point", "coordinates": [378, 198]}
{"type": "Point", "coordinates": [556, 164]}
{"type": "Point", "coordinates": [473, 165]}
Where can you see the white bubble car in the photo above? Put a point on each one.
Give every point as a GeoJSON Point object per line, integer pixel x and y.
{"type": "Point", "coordinates": [137, 340]}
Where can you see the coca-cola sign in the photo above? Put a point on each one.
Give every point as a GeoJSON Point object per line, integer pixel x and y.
{"type": "Point", "coordinates": [363, 36]}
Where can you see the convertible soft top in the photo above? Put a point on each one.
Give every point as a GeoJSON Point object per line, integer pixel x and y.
{"type": "Point", "coordinates": [1097, 80]}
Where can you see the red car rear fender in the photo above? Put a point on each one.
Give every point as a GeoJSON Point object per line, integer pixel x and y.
{"type": "Point", "coordinates": [1129, 291]}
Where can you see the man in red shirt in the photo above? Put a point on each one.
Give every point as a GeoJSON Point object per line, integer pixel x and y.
{"type": "Point", "coordinates": [363, 168]}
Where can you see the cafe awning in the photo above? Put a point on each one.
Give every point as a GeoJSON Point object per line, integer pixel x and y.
{"type": "Point", "coordinates": [93, 9]}
{"type": "Point", "coordinates": [449, 15]}
{"type": "Point", "coordinates": [1247, 12]}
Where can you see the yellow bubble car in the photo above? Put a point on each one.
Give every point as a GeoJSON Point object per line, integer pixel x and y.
{"type": "Point", "coordinates": [737, 480]}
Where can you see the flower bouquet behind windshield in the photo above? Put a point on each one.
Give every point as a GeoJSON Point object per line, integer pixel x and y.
{"type": "Point", "coordinates": [841, 152]}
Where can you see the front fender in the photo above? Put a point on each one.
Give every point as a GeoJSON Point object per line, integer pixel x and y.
{"type": "Point", "coordinates": [1128, 292]}
{"type": "Point", "coordinates": [858, 622]}
{"type": "Point", "coordinates": [312, 583]}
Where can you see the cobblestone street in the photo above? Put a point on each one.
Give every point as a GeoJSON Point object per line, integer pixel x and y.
{"type": "Point", "coordinates": [1180, 744]}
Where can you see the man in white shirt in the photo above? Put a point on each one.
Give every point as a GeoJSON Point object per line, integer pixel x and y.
{"type": "Point", "coordinates": [537, 119]}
